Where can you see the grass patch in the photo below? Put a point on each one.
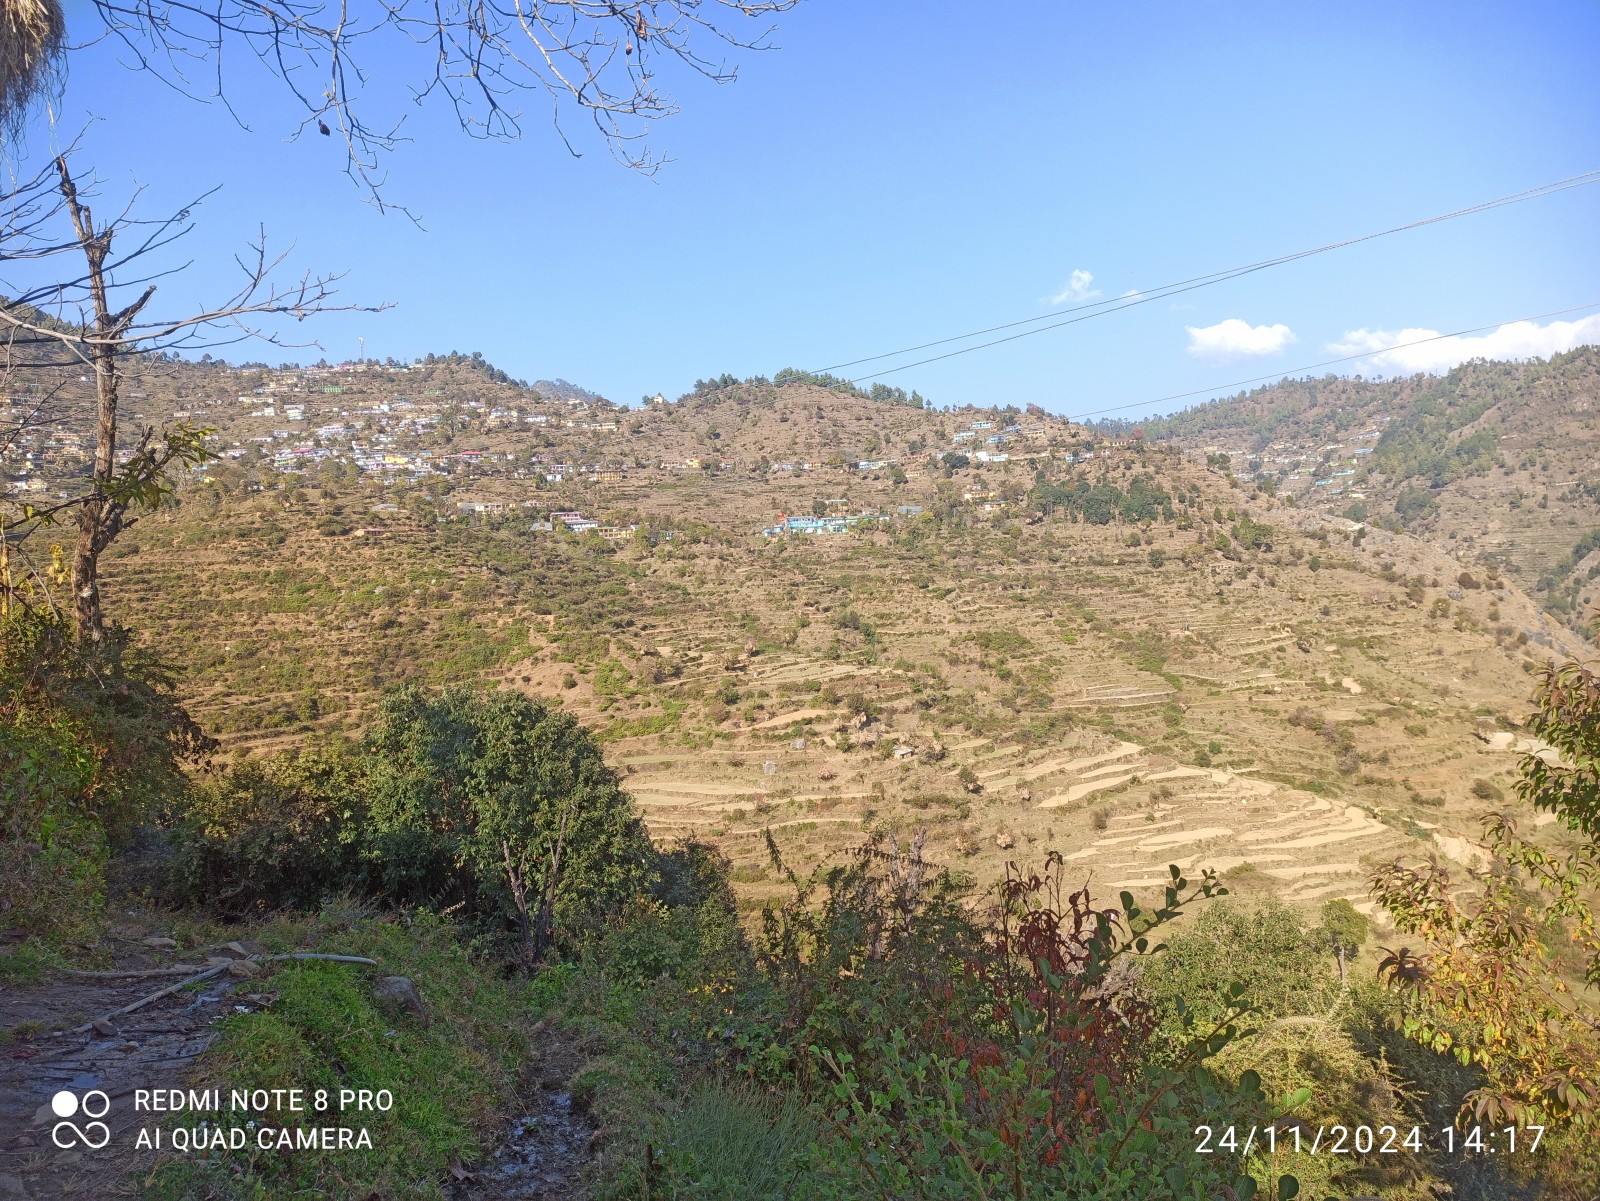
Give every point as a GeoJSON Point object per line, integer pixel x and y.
{"type": "Point", "coordinates": [325, 1031]}
{"type": "Point", "coordinates": [729, 1142]}
{"type": "Point", "coordinates": [27, 962]}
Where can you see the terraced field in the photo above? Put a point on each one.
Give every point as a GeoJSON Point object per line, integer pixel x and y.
{"type": "Point", "coordinates": [1132, 696]}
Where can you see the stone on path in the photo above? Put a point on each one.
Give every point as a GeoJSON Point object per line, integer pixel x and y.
{"type": "Point", "coordinates": [401, 993]}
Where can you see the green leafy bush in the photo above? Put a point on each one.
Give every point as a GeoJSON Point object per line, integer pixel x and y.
{"type": "Point", "coordinates": [288, 831]}
{"type": "Point", "coordinates": [485, 803]}
{"type": "Point", "coordinates": [92, 744]}
{"type": "Point", "coordinates": [496, 801]}
{"type": "Point", "coordinates": [1046, 1087]}
{"type": "Point", "coordinates": [1266, 948]}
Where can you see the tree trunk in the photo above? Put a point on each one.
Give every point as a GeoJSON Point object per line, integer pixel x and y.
{"type": "Point", "coordinates": [547, 894]}
{"type": "Point", "coordinates": [95, 521]}
{"type": "Point", "coordinates": [517, 878]}
{"type": "Point", "coordinates": [100, 515]}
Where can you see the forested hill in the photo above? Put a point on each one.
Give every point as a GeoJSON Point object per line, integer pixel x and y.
{"type": "Point", "coordinates": [1494, 461]}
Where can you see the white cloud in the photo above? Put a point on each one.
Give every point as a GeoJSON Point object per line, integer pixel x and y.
{"type": "Point", "coordinates": [1077, 289]}
{"type": "Point", "coordinates": [1518, 340]}
{"type": "Point", "coordinates": [1236, 339]}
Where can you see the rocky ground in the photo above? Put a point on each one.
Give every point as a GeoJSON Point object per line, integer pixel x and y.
{"type": "Point", "coordinates": [67, 1033]}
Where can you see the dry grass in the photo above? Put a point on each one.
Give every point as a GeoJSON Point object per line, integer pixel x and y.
{"type": "Point", "coordinates": [32, 41]}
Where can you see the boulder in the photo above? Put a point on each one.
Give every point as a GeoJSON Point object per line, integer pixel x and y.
{"type": "Point", "coordinates": [398, 992]}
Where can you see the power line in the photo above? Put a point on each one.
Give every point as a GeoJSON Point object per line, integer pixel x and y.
{"type": "Point", "coordinates": [1103, 308]}
{"type": "Point", "coordinates": [1349, 358]}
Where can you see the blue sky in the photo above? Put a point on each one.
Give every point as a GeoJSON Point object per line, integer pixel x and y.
{"type": "Point", "coordinates": [899, 171]}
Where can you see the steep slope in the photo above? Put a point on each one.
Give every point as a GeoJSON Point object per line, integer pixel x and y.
{"type": "Point", "coordinates": [1495, 462]}
{"type": "Point", "coordinates": [1005, 628]}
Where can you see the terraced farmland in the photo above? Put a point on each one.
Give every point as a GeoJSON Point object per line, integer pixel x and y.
{"type": "Point", "coordinates": [1131, 696]}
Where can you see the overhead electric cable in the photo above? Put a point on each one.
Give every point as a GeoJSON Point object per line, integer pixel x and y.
{"type": "Point", "coordinates": [1349, 358]}
{"type": "Point", "coordinates": [1102, 308]}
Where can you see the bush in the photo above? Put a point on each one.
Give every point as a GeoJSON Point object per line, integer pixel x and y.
{"type": "Point", "coordinates": [52, 854]}
{"type": "Point", "coordinates": [488, 803]}
{"type": "Point", "coordinates": [902, 1042]}
{"type": "Point", "coordinates": [287, 832]}
{"type": "Point", "coordinates": [1047, 1087]}
{"type": "Point", "coordinates": [493, 800]}
{"type": "Point", "coordinates": [92, 744]}
{"type": "Point", "coordinates": [1266, 948]}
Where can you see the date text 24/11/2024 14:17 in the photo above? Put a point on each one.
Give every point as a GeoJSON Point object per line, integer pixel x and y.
{"type": "Point", "coordinates": [1366, 1140]}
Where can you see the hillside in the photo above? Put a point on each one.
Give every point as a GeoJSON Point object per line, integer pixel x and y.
{"type": "Point", "coordinates": [841, 667]}
{"type": "Point", "coordinates": [1188, 671]}
{"type": "Point", "coordinates": [1494, 463]}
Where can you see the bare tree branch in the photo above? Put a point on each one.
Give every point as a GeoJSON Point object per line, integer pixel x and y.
{"type": "Point", "coordinates": [94, 323]}
{"type": "Point", "coordinates": [479, 57]}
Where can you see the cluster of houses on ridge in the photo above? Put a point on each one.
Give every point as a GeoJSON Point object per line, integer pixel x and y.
{"type": "Point", "coordinates": [1309, 472]}
{"type": "Point", "coordinates": [404, 423]}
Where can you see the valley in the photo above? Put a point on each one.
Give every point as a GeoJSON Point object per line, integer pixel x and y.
{"type": "Point", "coordinates": [1229, 680]}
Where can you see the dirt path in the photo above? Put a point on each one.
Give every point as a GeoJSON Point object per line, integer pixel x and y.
{"type": "Point", "coordinates": [549, 1145]}
{"type": "Point", "coordinates": [151, 1048]}
{"type": "Point", "coordinates": [543, 1156]}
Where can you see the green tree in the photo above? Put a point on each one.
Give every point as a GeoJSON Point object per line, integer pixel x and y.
{"type": "Point", "coordinates": [505, 803]}
{"type": "Point", "coordinates": [1346, 930]}
{"type": "Point", "coordinates": [1487, 983]}
{"type": "Point", "coordinates": [1265, 948]}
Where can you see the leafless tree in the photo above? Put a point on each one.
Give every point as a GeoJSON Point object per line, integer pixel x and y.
{"type": "Point", "coordinates": [61, 326]}
{"type": "Point", "coordinates": [482, 59]}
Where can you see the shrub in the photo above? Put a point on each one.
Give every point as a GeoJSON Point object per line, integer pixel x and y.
{"type": "Point", "coordinates": [286, 832]}
{"type": "Point", "coordinates": [1266, 948]}
{"type": "Point", "coordinates": [1046, 1088]}
{"type": "Point", "coordinates": [92, 744]}
{"type": "Point", "coordinates": [1484, 984]}
{"type": "Point", "coordinates": [488, 803]}
{"type": "Point", "coordinates": [493, 800]}
{"type": "Point", "coordinates": [52, 854]}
